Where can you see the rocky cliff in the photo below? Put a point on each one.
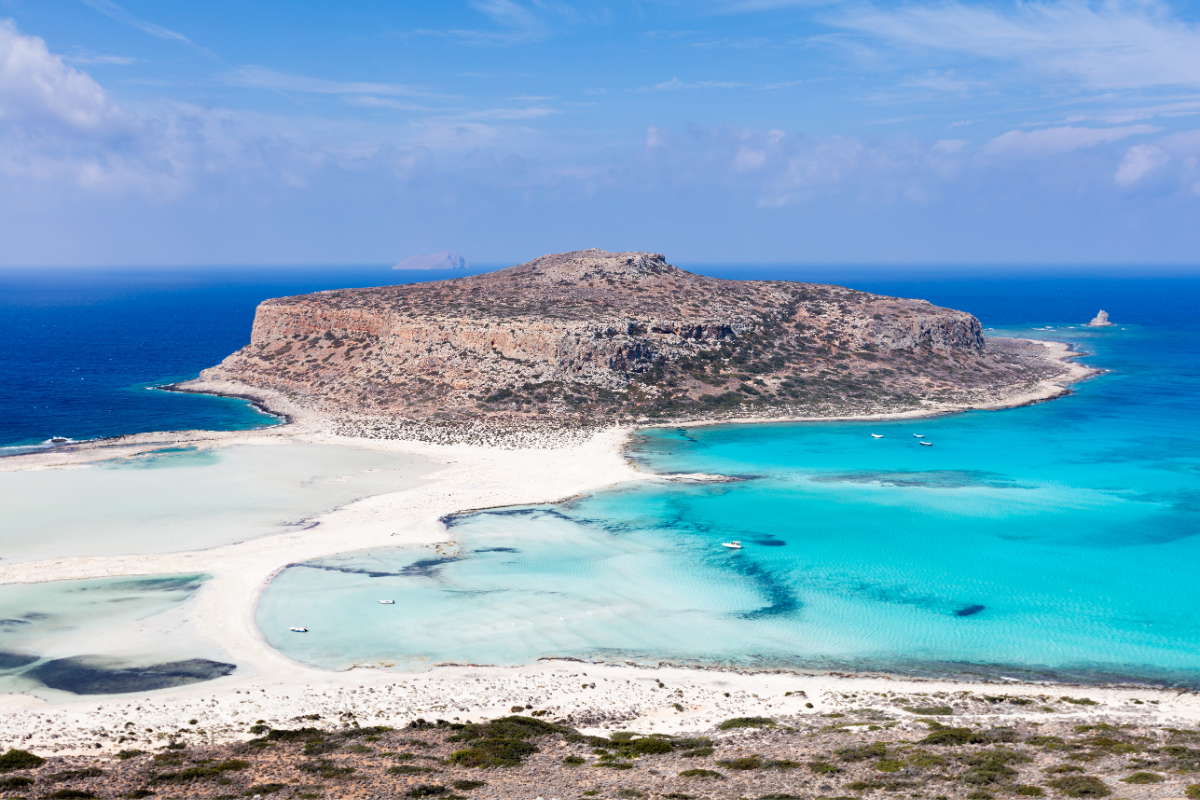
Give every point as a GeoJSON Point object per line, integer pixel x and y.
{"type": "Point", "coordinates": [592, 336]}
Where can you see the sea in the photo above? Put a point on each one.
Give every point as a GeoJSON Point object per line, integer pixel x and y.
{"type": "Point", "coordinates": [1058, 540]}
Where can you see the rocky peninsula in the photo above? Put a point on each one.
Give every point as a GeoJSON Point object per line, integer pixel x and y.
{"type": "Point", "coordinates": [592, 338]}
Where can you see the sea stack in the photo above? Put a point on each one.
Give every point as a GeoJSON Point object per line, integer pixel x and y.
{"type": "Point", "coordinates": [1100, 321]}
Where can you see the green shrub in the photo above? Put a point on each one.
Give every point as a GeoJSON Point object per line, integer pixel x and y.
{"type": "Point", "coordinates": [74, 774]}
{"type": "Point", "coordinates": [204, 772]}
{"type": "Point", "coordinates": [494, 753]}
{"type": "Point", "coordinates": [138, 794]}
{"type": "Point", "coordinates": [1081, 701]}
{"type": "Point", "coordinates": [823, 767]}
{"type": "Point", "coordinates": [127, 754]}
{"type": "Point", "coordinates": [697, 752]}
{"type": "Point", "coordinates": [887, 765]}
{"type": "Point", "coordinates": [467, 786]}
{"type": "Point", "coordinates": [15, 782]}
{"type": "Point", "coordinates": [1081, 786]}
{"type": "Point", "coordinates": [1193, 790]}
{"type": "Point", "coordinates": [954, 736]}
{"type": "Point", "coordinates": [426, 790]}
{"type": "Point", "coordinates": [326, 769]}
{"type": "Point", "coordinates": [265, 788]}
{"type": "Point", "coordinates": [700, 773]}
{"type": "Point", "coordinates": [746, 722]}
{"type": "Point", "coordinates": [630, 793]}
{"type": "Point", "coordinates": [931, 711]}
{"type": "Point", "coordinates": [409, 769]}
{"type": "Point", "coordinates": [862, 752]}
{"type": "Point", "coordinates": [71, 794]}
{"type": "Point", "coordinates": [19, 759]}
{"type": "Point", "coordinates": [574, 761]}
{"type": "Point", "coordinates": [1028, 791]}
{"type": "Point", "coordinates": [1143, 777]}
{"type": "Point", "coordinates": [926, 760]}
{"type": "Point", "coordinates": [742, 763]}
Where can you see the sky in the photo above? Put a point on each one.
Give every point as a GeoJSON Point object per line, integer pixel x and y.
{"type": "Point", "coordinates": [938, 132]}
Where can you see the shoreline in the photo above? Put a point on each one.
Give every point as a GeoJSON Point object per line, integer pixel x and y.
{"type": "Point", "coordinates": [467, 478]}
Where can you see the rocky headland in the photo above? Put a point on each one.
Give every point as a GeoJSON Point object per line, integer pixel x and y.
{"type": "Point", "coordinates": [591, 338]}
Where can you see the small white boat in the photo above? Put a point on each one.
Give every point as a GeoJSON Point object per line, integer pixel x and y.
{"type": "Point", "coordinates": [732, 545]}
{"type": "Point", "coordinates": [918, 436]}
{"type": "Point", "coordinates": [298, 629]}
{"type": "Point", "coordinates": [387, 602]}
{"type": "Point", "coordinates": [925, 444]}
{"type": "Point", "coordinates": [876, 435]}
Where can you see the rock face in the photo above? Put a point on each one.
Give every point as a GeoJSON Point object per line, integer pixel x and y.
{"type": "Point", "coordinates": [1100, 320]}
{"type": "Point", "coordinates": [447, 259]}
{"type": "Point", "coordinates": [593, 336]}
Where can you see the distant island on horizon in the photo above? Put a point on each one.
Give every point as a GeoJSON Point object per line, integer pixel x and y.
{"type": "Point", "coordinates": [447, 259]}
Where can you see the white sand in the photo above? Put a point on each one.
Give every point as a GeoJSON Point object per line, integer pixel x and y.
{"type": "Point", "coordinates": [271, 687]}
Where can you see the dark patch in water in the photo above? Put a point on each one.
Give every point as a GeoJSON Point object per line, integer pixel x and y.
{"type": "Point", "coordinates": [351, 570]}
{"type": "Point", "coordinates": [968, 611]}
{"type": "Point", "coordinates": [11, 623]}
{"type": "Point", "coordinates": [928, 479]}
{"type": "Point", "coordinates": [771, 542]}
{"type": "Point", "coordinates": [82, 675]}
{"type": "Point", "coordinates": [496, 550]}
{"type": "Point", "coordinates": [427, 568]}
{"type": "Point", "coordinates": [173, 583]}
{"type": "Point", "coordinates": [10, 660]}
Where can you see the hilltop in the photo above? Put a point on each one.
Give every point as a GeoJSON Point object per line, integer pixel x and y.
{"type": "Point", "coordinates": [592, 337]}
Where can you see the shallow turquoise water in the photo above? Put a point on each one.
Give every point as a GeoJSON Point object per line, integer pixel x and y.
{"type": "Point", "coordinates": [100, 636]}
{"type": "Point", "coordinates": [1055, 539]}
{"type": "Point", "coordinates": [182, 498]}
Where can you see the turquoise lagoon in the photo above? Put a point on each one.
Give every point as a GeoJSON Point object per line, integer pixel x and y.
{"type": "Point", "coordinates": [103, 636]}
{"type": "Point", "coordinates": [1052, 540]}
{"type": "Point", "coordinates": [187, 498]}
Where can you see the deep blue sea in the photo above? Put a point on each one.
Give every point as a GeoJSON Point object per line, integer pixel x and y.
{"type": "Point", "coordinates": [83, 348]}
{"type": "Point", "coordinates": [1058, 539]}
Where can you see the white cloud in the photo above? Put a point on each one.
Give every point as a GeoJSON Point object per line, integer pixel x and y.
{"type": "Point", "coordinates": [1106, 44]}
{"type": "Point", "coordinates": [675, 84]}
{"type": "Point", "coordinates": [1055, 141]}
{"type": "Point", "coordinates": [114, 11]}
{"type": "Point", "coordinates": [1140, 160]}
{"type": "Point", "coordinates": [90, 58]}
{"type": "Point", "coordinates": [40, 91]}
{"type": "Point", "coordinates": [258, 77]}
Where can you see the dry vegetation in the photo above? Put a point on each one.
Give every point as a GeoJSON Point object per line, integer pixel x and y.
{"type": "Point", "coordinates": [941, 747]}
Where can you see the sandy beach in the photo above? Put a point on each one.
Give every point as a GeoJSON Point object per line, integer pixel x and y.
{"type": "Point", "coordinates": [464, 477]}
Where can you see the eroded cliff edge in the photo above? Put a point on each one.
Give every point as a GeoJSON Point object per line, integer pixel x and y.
{"type": "Point", "coordinates": [591, 337]}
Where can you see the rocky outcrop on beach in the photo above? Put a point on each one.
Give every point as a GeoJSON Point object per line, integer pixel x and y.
{"type": "Point", "coordinates": [591, 337]}
{"type": "Point", "coordinates": [1100, 320]}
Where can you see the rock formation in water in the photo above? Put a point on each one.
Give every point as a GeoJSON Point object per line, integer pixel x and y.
{"type": "Point", "coordinates": [447, 259]}
{"type": "Point", "coordinates": [1100, 320]}
{"type": "Point", "coordinates": [592, 336]}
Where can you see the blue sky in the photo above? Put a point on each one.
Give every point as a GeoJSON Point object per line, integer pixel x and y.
{"type": "Point", "coordinates": [830, 131]}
